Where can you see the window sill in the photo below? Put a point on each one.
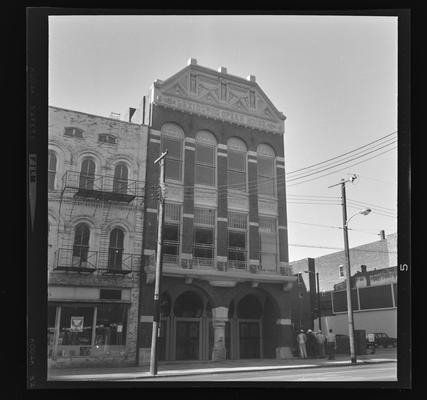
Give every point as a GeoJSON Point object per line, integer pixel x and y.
{"type": "Point", "coordinates": [267, 197]}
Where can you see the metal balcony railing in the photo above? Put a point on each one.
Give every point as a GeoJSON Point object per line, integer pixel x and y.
{"type": "Point", "coordinates": [103, 186]}
{"type": "Point", "coordinates": [203, 256]}
{"type": "Point", "coordinates": [81, 259]}
{"type": "Point", "coordinates": [237, 258]}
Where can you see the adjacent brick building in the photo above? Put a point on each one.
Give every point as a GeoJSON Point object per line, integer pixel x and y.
{"type": "Point", "coordinates": [96, 204]}
{"type": "Point", "coordinates": [373, 283]}
{"type": "Point", "coordinates": [226, 280]}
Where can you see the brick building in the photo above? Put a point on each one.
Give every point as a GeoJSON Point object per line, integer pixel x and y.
{"type": "Point", "coordinates": [373, 283]}
{"type": "Point", "coordinates": [226, 280]}
{"type": "Point", "coordinates": [95, 204]}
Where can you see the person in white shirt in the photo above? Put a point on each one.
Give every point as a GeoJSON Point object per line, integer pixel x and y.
{"type": "Point", "coordinates": [302, 340]}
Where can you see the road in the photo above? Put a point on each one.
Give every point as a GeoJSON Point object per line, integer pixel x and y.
{"type": "Point", "coordinates": [368, 372]}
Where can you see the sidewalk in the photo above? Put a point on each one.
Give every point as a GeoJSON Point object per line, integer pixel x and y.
{"type": "Point", "coordinates": [180, 368]}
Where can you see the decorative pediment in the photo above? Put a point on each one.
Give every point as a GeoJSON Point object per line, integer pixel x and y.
{"type": "Point", "coordinates": [218, 95]}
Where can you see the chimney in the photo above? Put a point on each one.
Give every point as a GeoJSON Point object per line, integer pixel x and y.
{"type": "Point", "coordinates": [222, 70]}
{"type": "Point", "coordinates": [192, 61]}
{"type": "Point", "coordinates": [363, 267]}
{"type": "Point", "coordinates": [382, 235]}
{"type": "Point", "coordinates": [131, 112]}
{"type": "Point", "coordinates": [251, 78]}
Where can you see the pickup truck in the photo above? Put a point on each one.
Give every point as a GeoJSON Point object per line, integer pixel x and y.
{"type": "Point", "coordinates": [380, 339]}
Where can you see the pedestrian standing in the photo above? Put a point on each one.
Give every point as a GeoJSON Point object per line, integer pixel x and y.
{"type": "Point", "coordinates": [302, 340]}
{"type": "Point", "coordinates": [320, 337]}
{"type": "Point", "coordinates": [311, 344]}
{"type": "Point", "coordinates": [331, 344]}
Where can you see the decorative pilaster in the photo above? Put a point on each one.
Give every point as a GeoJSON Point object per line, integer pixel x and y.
{"type": "Point", "coordinates": [222, 212]}
{"type": "Point", "coordinates": [253, 209]}
{"type": "Point", "coordinates": [282, 213]}
{"type": "Point", "coordinates": [188, 206]}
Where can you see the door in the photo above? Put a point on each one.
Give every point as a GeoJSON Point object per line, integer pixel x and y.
{"type": "Point", "coordinates": [249, 339]}
{"type": "Point", "coordinates": [187, 340]}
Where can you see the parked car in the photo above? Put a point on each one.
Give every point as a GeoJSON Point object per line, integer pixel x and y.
{"type": "Point", "coordinates": [378, 339]}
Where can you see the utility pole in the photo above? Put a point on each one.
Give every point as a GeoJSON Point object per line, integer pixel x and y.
{"type": "Point", "coordinates": [156, 315]}
{"type": "Point", "coordinates": [347, 268]}
{"type": "Point", "coordinates": [318, 302]}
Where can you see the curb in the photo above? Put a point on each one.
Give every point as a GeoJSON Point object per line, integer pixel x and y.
{"type": "Point", "coordinates": [224, 371]}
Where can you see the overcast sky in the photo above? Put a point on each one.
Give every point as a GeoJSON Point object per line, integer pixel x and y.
{"type": "Point", "coordinates": [334, 77]}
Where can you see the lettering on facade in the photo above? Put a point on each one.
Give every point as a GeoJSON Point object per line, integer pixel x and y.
{"type": "Point", "coordinates": [212, 112]}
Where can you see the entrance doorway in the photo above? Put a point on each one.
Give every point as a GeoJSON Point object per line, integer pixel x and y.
{"type": "Point", "coordinates": [187, 340]}
{"type": "Point", "coordinates": [249, 339]}
{"type": "Point", "coordinates": [188, 310]}
{"type": "Point", "coordinates": [249, 314]}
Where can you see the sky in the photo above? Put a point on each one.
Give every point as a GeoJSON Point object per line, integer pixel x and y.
{"type": "Point", "coordinates": [334, 78]}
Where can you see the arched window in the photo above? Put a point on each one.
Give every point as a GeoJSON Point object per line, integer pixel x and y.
{"type": "Point", "coordinates": [236, 164]}
{"type": "Point", "coordinates": [205, 173]}
{"type": "Point", "coordinates": [81, 245]}
{"type": "Point", "coordinates": [51, 170]}
{"type": "Point", "coordinates": [115, 249]}
{"type": "Point", "coordinates": [120, 182]}
{"type": "Point", "coordinates": [265, 175]}
{"type": "Point", "coordinates": [172, 139]}
{"type": "Point", "coordinates": [87, 174]}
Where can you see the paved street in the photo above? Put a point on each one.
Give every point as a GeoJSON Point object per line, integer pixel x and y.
{"type": "Point", "coordinates": [369, 372]}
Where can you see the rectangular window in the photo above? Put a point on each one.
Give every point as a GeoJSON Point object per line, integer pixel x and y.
{"type": "Point", "coordinates": [237, 246]}
{"type": "Point", "coordinates": [236, 170]}
{"type": "Point", "coordinates": [111, 325]}
{"type": "Point", "coordinates": [171, 233]}
{"type": "Point", "coordinates": [51, 317]}
{"type": "Point", "coordinates": [205, 164]}
{"type": "Point", "coordinates": [204, 236]}
{"type": "Point", "coordinates": [266, 175]}
{"type": "Point", "coordinates": [173, 163]}
{"type": "Point", "coordinates": [268, 241]}
{"type": "Point", "coordinates": [76, 325]}
{"type": "Point", "coordinates": [73, 132]}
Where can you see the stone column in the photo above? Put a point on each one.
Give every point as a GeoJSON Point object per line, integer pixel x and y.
{"type": "Point", "coordinates": [219, 318]}
{"type": "Point", "coordinates": [285, 339]}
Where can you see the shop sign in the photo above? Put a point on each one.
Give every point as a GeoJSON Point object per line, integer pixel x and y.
{"type": "Point", "coordinates": [76, 324]}
{"type": "Point", "coordinates": [119, 328]}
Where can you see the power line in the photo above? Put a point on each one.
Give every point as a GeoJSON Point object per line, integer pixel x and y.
{"type": "Point", "coordinates": [342, 169]}
{"type": "Point", "coordinates": [372, 205]}
{"type": "Point", "coordinates": [338, 164]}
{"type": "Point", "coordinates": [341, 155]}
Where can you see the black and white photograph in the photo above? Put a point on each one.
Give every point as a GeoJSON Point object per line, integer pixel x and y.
{"type": "Point", "coordinates": [220, 196]}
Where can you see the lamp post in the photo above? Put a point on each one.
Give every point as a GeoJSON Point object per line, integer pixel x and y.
{"type": "Point", "coordinates": [347, 263]}
{"type": "Point", "coordinates": [319, 316]}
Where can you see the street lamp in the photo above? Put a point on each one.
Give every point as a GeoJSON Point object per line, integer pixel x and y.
{"type": "Point", "coordinates": [319, 316]}
{"type": "Point", "coordinates": [348, 274]}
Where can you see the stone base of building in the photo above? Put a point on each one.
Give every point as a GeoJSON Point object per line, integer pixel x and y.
{"type": "Point", "coordinates": [91, 362]}
{"type": "Point", "coordinates": [219, 354]}
{"type": "Point", "coordinates": [283, 353]}
{"type": "Point", "coordinates": [144, 356]}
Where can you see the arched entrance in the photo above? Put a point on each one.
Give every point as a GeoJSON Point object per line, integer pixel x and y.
{"type": "Point", "coordinates": [188, 310]}
{"type": "Point", "coordinates": [251, 331]}
{"type": "Point", "coordinates": [249, 313]}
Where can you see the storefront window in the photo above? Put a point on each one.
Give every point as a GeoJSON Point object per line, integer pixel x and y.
{"type": "Point", "coordinates": [111, 324]}
{"type": "Point", "coordinates": [76, 325]}
{"type": "Point", "coordinates": [51, 315]}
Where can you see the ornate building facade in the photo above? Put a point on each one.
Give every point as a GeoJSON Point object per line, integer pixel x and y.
{"type": "Point", "coordinates": [96, 205]}
{"type": "Point", "coordinates": [226, 282]}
